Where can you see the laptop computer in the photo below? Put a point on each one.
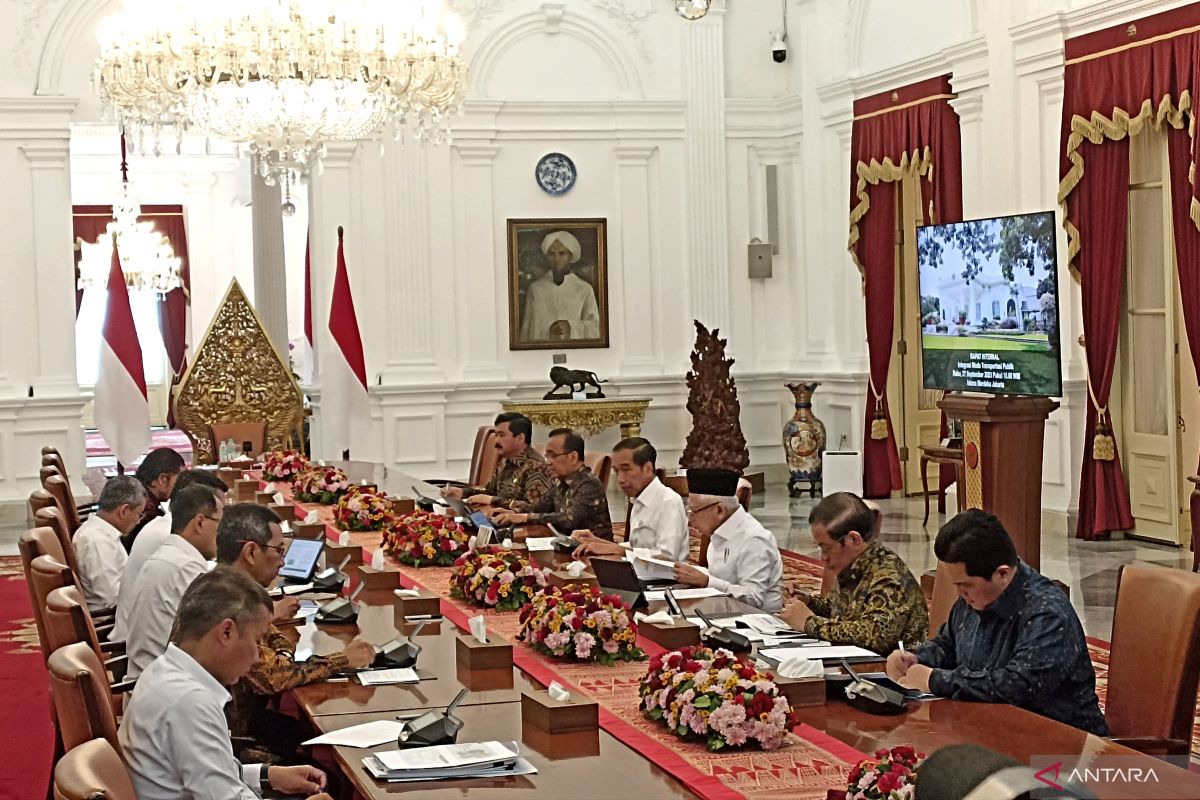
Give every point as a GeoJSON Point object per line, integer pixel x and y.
{"type": "Point", "coordinates": [620, 578]}
{"type": "Point", "coordinates": [301, 560]}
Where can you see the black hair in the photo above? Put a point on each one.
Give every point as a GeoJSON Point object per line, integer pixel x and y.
{"type": "Point", "coordinates": [189, 502]}
{"type": "Point", "coordinates": [978, 541]}
{"type": "Point", "coordinates": [245, 522]}
{"type": "Point", "coordinates": [572, 441]}
{"type": "Point", "coordinates": [215, 596]}
{"type": "Point", "coordinates": [518, 424]}
{"type": "Point", "coordinates": [643, 452]}
{"type": "Point", "coordinates": [199, 477]}
{"type": "Point", "coordinates": [163, 461]}
{"type": "Point", "coordinates": [843, 512]}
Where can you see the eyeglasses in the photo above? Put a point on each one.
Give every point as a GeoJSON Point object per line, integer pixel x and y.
{"type": "Point", "coordinates": [214, 519]}
{"type": "Point", "coordinates": [550, 454]}
{"type": "Point", "coordinates": [281, 549]}
{"type": "Point", "coordinates": [691, 512]}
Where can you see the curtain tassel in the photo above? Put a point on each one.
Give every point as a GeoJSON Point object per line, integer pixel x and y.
{"type": "Point", "coordinates": [1104, 447]}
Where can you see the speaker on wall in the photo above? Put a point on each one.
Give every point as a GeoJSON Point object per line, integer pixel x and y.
{"type": "Point", "coordinates": [758, 255]}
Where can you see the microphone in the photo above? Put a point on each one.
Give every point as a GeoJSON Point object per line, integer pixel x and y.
{"type": "Point", "coordinates": [331, 579]}
{"type": "Point", "coordinates": [341, 610]}
{"type": "Point", "coordinates": [399, 653]}
{"type": "Point", "coordinates": [433, 727]}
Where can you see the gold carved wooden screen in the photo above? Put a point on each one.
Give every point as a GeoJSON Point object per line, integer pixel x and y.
{"type": "Point", "coordinates": [237, 375]}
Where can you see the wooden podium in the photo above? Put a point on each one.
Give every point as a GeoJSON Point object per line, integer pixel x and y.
{"type": "Point", "coordinates": [1002, 459]}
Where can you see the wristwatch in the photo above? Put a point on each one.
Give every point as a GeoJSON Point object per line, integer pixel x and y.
{"type": "Point", "coordinates": [264, 780]}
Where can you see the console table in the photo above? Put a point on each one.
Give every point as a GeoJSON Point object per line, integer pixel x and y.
{"type": "Point", "coordinates": [588, 416]}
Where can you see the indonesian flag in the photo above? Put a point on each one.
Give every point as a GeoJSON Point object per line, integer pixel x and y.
{"type": "Point", "coordinates": [306, 348]}
{"type": "Point", "coordinates": [121, 410]}
{"type": "Point", "coordinates": [345, 406]}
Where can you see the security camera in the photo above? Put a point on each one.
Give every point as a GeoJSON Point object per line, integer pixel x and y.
{"type": "Point", "coordinates": [778, 47]}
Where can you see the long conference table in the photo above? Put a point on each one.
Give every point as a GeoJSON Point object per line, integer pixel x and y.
{"type": "Point", "coordinates": [597, 764]}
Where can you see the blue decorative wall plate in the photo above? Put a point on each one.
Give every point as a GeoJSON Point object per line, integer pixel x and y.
{"type": "Point", "coordinates": [555, 173]}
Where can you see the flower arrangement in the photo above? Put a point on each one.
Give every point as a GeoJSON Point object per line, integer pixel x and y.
{"type": "Point", "coordinates": [362, 509]}
{"type": "Point", "coordinates": [422, 539]}
{"type": "Point", "coordinates": [700, 693]}
{"type": "Point", "coordinates": [496, 578]}
{"type": "Point", "coordinates": [579, 622]}
{"type": "Point", "coordinates": [891, 775]}
{"type": "Point", "coordinates": [283, 465]}
{"type": "Point", "coordinates": [317, 484]}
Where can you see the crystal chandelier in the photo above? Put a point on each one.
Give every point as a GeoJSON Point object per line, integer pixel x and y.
{"type": "Point", "coordinates": [692, 9]}
{"type": "Point", "coordinates": [282, 77]}
{"type": "Point", "coordinates": [147, 259]}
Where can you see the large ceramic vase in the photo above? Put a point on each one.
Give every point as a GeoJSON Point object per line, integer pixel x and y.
{"type": "Point", "coordinates": [804, 441]}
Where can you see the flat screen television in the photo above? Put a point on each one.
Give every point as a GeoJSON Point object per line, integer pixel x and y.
{"type": "Point", "coordinates": [989, 306]}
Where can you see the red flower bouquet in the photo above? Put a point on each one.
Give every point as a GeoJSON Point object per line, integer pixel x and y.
{"type": "Point", "coordinates": [283, 465]}
{"type": "Point", "coordinates": [706, 694]}
{"type": "Point", "coordinates": [580, 623]}
{"type": "Point", "coordinates": [363, 510]}
{"type": "Point", "coordinates": [425, 540]}
{"type": "Point", "coordinates": [891, 775]}
{"type": "Point", "coordinates": [324, 485]}
{"type": "Point", "coordinates": [496, 578]}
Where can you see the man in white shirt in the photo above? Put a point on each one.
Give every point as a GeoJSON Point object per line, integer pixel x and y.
{"type": "Point", "coordinates": [173, 735]}
{"type": "Point", "coordinates": [167, 574]}
{"type": "Point", "coordinates": [657, 521]}
{"type": "Point", "coordinates": [743, 556]}
{"type": "Point", "coordinates": [98, 549]}
{"type": "Point", "coordinates": [150, 538]}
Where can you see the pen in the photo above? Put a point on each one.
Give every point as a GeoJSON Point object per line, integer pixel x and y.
{"type": "Point", "coordinates": [422, 617]}
{"type": "Point", "coordinates": [903, 652]}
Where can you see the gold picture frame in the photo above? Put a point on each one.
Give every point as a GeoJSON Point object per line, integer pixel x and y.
{"type": "Point", "coordinates": [571, 312]}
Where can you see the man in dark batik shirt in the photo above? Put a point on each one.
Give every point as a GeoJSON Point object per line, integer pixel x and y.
{"type": "Point", "coordinates": [522, 473]}
{"type": "Point", "coordinates": [1012, 636]}
{"type": "Point", "coordinates": [577, 502]}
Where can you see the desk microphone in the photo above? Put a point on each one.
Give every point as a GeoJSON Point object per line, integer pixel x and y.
{"type": "Point", "coordinates": [398, 653]}
{"type": "Point", "coordinates": [672, 604]}
{"type": "Point", "coordinates": [432, 727]}
{"type": "Point", "coordinates": [341, 610]}
{"type": "Point", "coordinates": [331, 579]}
{"type": "Point", "coordinates": [713, 636]}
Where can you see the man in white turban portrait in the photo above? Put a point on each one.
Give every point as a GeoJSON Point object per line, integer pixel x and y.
{"type": "Point", "coordinates": [560, 305]}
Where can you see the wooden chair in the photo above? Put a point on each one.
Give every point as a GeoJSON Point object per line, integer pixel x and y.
{"type": "Point", "coordinates": [52, 518]}
{"type": "Point", "coordinates": [601, 466]}
{"type": "Point", "coordinates": [82, 696]}
{"type": "Point", "coordinates": [67, 621]}
{"type": "Point", "coordinates": [60, 490]}
{"type": "Point", "coordinates": [253, 432]}
{"type": "Point", "coordinates": [92, 771]}
{"type": "Point", "coordinates": [941, 601]}
{"type": "Point", "coordinates": [39, 499]}
{"type": "Point", "coordinates": [51, 455]}
{"type": "Point", "coordinates": [34, 543]}
{"type": "Point", "coordinates": [484, 459]}
{"type": "Point", "coordinates": [1155, 661]}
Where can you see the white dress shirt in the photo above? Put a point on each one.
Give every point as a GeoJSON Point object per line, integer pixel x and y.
{"type": "Point", "coordinates": [156, 594]}
{"type": "Point", "coordinates": [175, 739]}
{"type": "Point", "coordinates": [658, 522]}
{"type": "Point", "coordinates": [101, 558]}
{"type": "Point", "coordinates": [145, 544]}
{"type": "Point", "coordinates": [547, 302]}
{"type": "Point", "coordinates": [743, 561]}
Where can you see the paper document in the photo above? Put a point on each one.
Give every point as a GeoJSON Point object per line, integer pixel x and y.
{"type": "Point", "coordinates": [382, 677]}
{"type": "Point", "coordinates": [518, 766]}
{"type": "Point", "coordinates": [369, 734]}
{"type": "Point", "coordinates": [449, 756]}
{"type": "Point", "coordinates": [820, 652]}
{"type": "Point", "coordinates": [649, 568]}
{"type": "Point", "coordinates": [694, 593]}
{"type": "Point", "coordinates": [540, 544]}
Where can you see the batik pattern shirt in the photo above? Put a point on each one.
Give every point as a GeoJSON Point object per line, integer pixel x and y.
{"type": "Point", "coordinates": [525, 477]}
{"type": "Point", "coordinates": [1027, 649]}
{"type": "Point", "coordinates": [877, 604]}
{"type": "Point", "coordinates": [576, 502]}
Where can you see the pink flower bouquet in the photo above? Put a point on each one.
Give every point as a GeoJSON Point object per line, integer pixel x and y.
{"type": "Point", "coordinates": [283, 465]}
{"type": "Point", "coordinates": [891, 775]}
{"type": "Point", "coordinates": [496, 578]}
{"type": "Point", "coordinates": [580, 623]}
{"type": "Point", "coordinates": [361, 509]}
{"type": "Point", "coordinates": [425, 540]}
{"type": "Point", "coordinates": [324, 485]}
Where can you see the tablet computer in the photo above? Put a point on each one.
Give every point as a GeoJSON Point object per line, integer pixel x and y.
{"type": "Point", "coordinates": [301, 559]}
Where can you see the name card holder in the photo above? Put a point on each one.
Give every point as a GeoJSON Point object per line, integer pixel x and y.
{"type": "Point", "coordinates": [802, 692]}
{"type": "Point", "coordinates": [672, 636]}
{"type": "Point", "coordinates": [308, 530]}
{"type": "Point", "coordinates": [541, 711]}
{"type": "Point", "coordinates": [426, 604]}
{"type": "Point", "coordinates": [334, 553]}
{"type": "Point", "coordinates": [286, 511]}
{"type": "Point", "coordinates": [379, 578]}
{"type": "Point", "coordinates": [264, 498]}
{"type": "Point", "coordinates": [485, 680]}
{"type": "Point", "coordinates": [245, 489]}
{"type": "Point", "coordinates": [471, 655]}
{"type": "Point", "coordinates": [561, 578]}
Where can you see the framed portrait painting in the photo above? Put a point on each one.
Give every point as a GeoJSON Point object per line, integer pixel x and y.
{"type": "Point", "coordinates": [557, 284]}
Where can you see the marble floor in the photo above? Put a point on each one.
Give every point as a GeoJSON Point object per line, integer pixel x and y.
{"type": "Point", "coordinates": [1089, 568]}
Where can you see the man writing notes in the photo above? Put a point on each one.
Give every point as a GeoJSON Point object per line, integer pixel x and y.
{"type": "Point", "coordinates": [250, 540]}
{"type": "Point", "coordinates": [98, 549]}
{"type": "Point", "coordinates": [195, 514]}
{"type": "Point", "coordinates": [577, 501]}
{"type": "Point", "coordinates": [657, 520]}
{"type": "Point", "coordinates": [877, 602]}
{"type": "Point", "coordinates": [173, 735]}
{"type": "Point", "coordinates": [743, 557]}
{"type": "Point", "coordinates": [522, 473]}
{"type": "Point", "coordinates": [560, 305]}
{"type": "Point", "coordinates": [1012, 636]}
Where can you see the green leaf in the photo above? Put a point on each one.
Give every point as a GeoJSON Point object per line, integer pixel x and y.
{"type": "Point", "coordinates": [682, 730]}
{"type": "Point", "coordinates": [703, 701]}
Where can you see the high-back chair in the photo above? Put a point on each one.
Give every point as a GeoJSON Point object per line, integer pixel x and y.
{"type": "Point", "coordinates": [39, 499]}
{"type": "Point", "coordinates": [50, 455]}
{"type": "Point", "coordinates": [60, 490]}
{"type": "Point", "coordinates": [601, 466]}
{"type": "Point", "coordinates": [1154, 665]}
{"type": "Point", "coordinates": [67, 621]}
{"type": "Point", "coordinates": [253, 432]}
{"type": "Point", "coordinates": [92, 771]}
{"type": "Point", "coordinates": [82, 696]}
{"type": "Point", "coordinates": [33, 544]}
{"type": "Point", "coordinates": [944, 595]}
{"type": "Point", "coordinates": [53, 518]}
{"type": "Point", "coordinates": [484, 458]}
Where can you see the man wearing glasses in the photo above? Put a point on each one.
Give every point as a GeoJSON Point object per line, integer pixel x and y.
{"type": "Point", "coordinates": [250, 540]}
{"type": "Point", "coordinates": [195, 513]}
{"type": "Point", "coordinates": [743, 557]}
{"type": "Point", "coordinates": [577, 501]}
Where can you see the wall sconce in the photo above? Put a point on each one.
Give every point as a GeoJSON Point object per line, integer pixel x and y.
{"type": "Point", "coordinates": [692, 9]}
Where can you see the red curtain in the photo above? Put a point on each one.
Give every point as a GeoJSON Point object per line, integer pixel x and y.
{"type": "Point", "coordinates": [1117, 81]}
{"type": "Point", "coordinates": [912, 130]}
{"type": "Point", "coordinates": [89, 224]}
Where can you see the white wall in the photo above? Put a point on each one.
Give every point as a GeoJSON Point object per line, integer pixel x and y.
{"type": "Point", "coordinates": [671, 125]}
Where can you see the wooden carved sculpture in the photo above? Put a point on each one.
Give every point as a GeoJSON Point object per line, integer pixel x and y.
{"type": "Point", "coordinates": [716, 440]}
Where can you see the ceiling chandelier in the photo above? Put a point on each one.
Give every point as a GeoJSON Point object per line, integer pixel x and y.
{"type": "Point", "coordinates": [282, 77]}
{"type": "Point", "coordinates": [147, 259]}
{"type": "Point", "coordinates": [692, 9]}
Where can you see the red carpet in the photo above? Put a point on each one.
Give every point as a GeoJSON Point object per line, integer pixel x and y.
{"type": "Point", "coordinates": [26, 736]}
{"type": "Point", "coordinates": [175, 439]}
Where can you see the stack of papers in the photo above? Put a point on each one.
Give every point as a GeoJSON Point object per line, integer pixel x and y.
{"type": "Point", "coordinates": [765, 630]}
{"type": "Point", "coordinates": [448, 762]}
{"type": "Point", "coordinates": [820, 651]}
{"type": "Point", "coordinates": [683, 594]}
{"type": "Point", "coordinates": [539, 544]}
{"type": "Point", "coordinates": [383, 677]}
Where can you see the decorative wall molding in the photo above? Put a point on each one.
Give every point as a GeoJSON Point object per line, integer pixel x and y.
{"type": "Point", "coordinates": [768, 118]}
{"type": "Point", "coordinates": [74, 24]}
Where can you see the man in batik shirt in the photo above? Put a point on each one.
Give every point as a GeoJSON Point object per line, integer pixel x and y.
{"type": "Point", "coordinates": [522, 474]}
{"type": "Point", "coordinates": [578, 501]}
